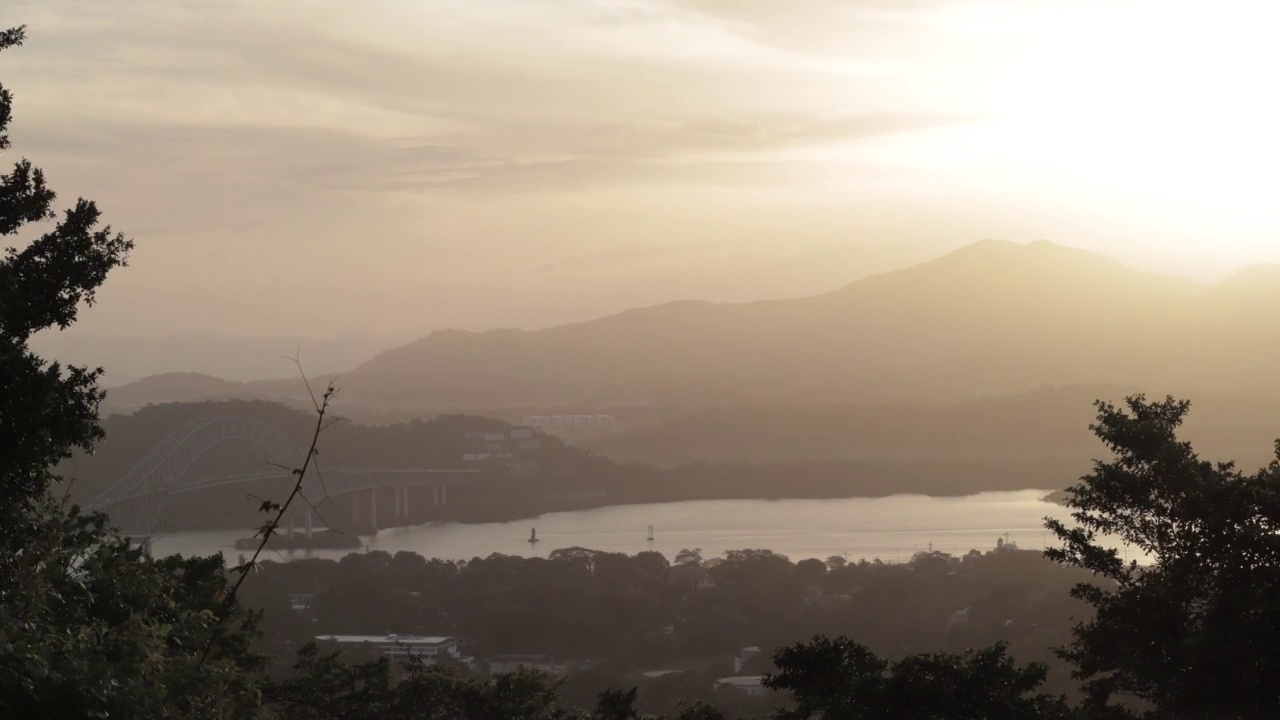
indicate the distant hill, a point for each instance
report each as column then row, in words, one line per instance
column 1049, row 423
column 126, row 359
column 568, row 477
column 993, row 318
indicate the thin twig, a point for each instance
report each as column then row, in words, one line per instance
column 268, row 529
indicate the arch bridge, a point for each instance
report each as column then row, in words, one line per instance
column 231, row 450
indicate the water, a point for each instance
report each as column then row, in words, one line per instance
column 891, row 529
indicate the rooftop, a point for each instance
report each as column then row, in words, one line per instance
column 389, row 639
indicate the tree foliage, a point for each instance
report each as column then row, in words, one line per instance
column 89, row 626
column 325, row 688
column 45, row 409
column 838, row 679
column 1196, row 632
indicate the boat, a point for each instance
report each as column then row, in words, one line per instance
column 650, row 533
column 533, row 535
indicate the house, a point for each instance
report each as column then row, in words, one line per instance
column 430, row 649
column 749, row 684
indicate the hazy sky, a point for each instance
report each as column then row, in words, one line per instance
column 392, row 166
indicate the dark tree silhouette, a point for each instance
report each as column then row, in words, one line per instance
column 838, row 679
column 1196, row 633
column 89, row 627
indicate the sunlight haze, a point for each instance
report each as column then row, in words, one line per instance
column 394, row 167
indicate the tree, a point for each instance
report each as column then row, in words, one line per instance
column 689, row 558
column 700, row 711
column 45, row 410
column 324, row 688
column 838, row 679
column 617, row 705
column 89, row 627
column 1196, row 633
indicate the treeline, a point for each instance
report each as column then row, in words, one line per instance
column 632, row 614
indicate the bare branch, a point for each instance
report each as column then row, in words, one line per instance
column 270, row 527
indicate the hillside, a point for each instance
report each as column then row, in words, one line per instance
column 1049, row 423
column 567, row 477
column 990, row 319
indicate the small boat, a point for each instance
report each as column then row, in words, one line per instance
column 533, row 535
column 650, row 533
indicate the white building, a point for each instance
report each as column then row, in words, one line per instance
column 572, row 424
column 429, row 648
column 743, row 656
column 749, row 684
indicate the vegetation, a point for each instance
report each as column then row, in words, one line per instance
column 1196, row 633
column 92, row 627
column 841, row 680
column 89, row 627
column 569, row 477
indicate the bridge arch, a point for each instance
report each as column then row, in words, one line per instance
column 140, row 495
column 137, row 500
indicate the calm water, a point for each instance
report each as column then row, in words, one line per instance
column 888, row 528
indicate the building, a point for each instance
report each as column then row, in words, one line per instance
column 743, row 656
column 429, row 648
column 749, row 684
column 516, row 450
column 502, row 664
column 570, row 425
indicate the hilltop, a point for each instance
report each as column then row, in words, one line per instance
column 992, row 318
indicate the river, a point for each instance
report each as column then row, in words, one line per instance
column 890, row 528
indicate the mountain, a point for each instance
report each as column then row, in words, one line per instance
column 993, row 318
column 1046, row 424
column 127, row 359
column 191, row 387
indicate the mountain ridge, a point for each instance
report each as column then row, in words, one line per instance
column 993, row 317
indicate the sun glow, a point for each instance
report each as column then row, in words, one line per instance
column 1161, row 109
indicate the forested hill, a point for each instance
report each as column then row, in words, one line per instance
column 567, row 477
column 437, row 443
column 1046, row 423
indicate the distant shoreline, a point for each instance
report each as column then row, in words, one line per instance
column 348, row 537
column 1057, row 497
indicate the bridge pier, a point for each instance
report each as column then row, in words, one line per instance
column 308, row 524
column 373, row 509
column 293, row 517
column 355, row 508
column 396, row 492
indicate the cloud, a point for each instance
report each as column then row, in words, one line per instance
column 438, row 151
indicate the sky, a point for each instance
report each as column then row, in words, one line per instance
column 390, row 167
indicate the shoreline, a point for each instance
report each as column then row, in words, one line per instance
column 353, row 533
